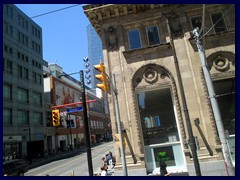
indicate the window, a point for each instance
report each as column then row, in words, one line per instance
column 152, row 34
column 7, row 116
column 196, row 22
column 25, row 73
column 217, row 19
column 22, row 117
column 9, row 66
column 39, row 79
column 18, row 55
column 134, row 39
column 37, row 118
column 37, row 98
column 19, row 71
column 22, row 95
column 34, row 77
column 157, row 116
column 7, row 91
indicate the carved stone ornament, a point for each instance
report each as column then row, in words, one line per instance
column 150, row 75
column 112, row 39
column 221, row 64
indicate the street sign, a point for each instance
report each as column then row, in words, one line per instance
column 74, row 110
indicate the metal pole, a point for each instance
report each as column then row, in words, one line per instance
column 215, row 108
column 70, row 126
column 29, row 131
column 87, row 134
column 119, row 128
column 185, row 108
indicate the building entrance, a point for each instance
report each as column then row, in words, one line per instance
column 160, row 129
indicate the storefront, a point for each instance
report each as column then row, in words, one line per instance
column 12, row 147
column 160, row 130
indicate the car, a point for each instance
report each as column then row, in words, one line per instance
column 16, row 167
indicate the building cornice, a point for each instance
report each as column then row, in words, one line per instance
column 101, row 12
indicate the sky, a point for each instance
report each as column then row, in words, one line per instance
column 64, row 34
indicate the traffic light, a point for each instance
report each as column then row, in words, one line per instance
column 102, row 77
column 117, row 141
column 55, row 117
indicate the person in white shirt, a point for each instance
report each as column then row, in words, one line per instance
column 103, row 172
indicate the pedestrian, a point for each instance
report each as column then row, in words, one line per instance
column 110, row 159
column 104, row 164
column 103, row 171
column 114, row 161
column 163, row 169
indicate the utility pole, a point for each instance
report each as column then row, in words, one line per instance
column 87, row 133
column 124, row 166
column 214, row 103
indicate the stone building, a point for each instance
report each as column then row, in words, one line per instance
column 154, row 78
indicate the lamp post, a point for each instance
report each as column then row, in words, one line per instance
column 87, row 133
column 29, row 152
column 85, row 116
column 29, row 133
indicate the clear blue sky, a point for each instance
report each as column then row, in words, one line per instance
column 64, row 34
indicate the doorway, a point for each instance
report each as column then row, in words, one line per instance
column 159, row 127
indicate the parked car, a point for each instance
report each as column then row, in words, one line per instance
column 16, row 167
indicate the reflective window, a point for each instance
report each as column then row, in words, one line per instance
column 218, row 21
column 157, row 116
column 7, row 116
column 7, row 91
column 196, row 22
column 225, row 93
column 22, row 117
column 153, row 36
column 134, row 39
column 22, row 95
column 37, row 118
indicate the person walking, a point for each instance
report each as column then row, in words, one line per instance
column 110, row 159
column 104, row 164
column 163, row 169
column 103, row 171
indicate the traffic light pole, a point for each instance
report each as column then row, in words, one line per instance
column 125, row 173
column 214, row 103
column 87, row 133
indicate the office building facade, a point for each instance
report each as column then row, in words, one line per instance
column 23, row 114
column 95, row 54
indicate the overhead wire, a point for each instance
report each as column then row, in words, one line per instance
column 55, row 11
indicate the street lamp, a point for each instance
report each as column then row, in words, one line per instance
column 84, row 104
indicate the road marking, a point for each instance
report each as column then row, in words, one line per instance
column 72, row 161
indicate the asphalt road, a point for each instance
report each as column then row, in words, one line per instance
column 74, row 166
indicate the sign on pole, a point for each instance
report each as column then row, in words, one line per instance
column 74, row 110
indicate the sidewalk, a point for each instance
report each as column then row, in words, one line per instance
column 57, row 156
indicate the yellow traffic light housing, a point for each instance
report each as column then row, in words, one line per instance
column 102, row 77
column 55, row 117
column 117, row 140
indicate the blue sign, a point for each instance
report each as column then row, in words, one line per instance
column 74, row 110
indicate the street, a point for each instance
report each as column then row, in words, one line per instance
column 74, row 166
